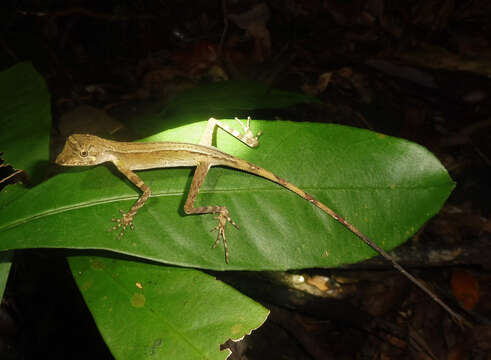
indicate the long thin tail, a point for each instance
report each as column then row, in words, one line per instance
column 256, row 170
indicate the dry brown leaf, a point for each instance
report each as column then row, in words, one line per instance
column 465, row 288
column 254, row 21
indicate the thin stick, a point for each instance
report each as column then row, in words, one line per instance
column 225, row 29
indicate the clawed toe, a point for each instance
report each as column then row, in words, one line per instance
column 223, row 218
column 248, row 136
column 122, row 224
column 234, row 224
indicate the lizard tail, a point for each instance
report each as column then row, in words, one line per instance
column 259, row 171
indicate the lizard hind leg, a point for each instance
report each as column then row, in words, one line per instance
column 223, row 217
column 223, row 214
column 247, row 137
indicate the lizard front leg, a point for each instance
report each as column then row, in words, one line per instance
column 222, row 211
column 127, row 218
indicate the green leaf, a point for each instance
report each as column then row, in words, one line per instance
column 26, row 119
column 5, row 263
column 159, row 312
column 387, row 187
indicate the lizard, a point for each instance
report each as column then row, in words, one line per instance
column 90, row 150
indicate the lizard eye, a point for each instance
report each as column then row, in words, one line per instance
column 84, row 153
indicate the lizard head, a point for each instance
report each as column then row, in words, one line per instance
column 83, row 150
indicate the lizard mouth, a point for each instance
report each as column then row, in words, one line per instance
column 66, row 157
column 60, row 159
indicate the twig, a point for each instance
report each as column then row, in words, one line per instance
column 85, row 12
column 8, row 50
column 225, row 29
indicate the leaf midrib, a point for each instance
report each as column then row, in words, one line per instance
column 312, row 189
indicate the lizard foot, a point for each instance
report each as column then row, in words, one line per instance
column 222, row 218
column 123, row 223
column 248, row 136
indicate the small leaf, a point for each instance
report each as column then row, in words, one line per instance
column 154, row 311
column 5, row 263
column 465, row 288
column 10, row 176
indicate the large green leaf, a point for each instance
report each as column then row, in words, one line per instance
column 160, row 312
column 385, row 186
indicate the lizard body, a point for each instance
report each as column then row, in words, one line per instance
column 88, row 150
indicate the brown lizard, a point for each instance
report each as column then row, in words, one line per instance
column 88, row 150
